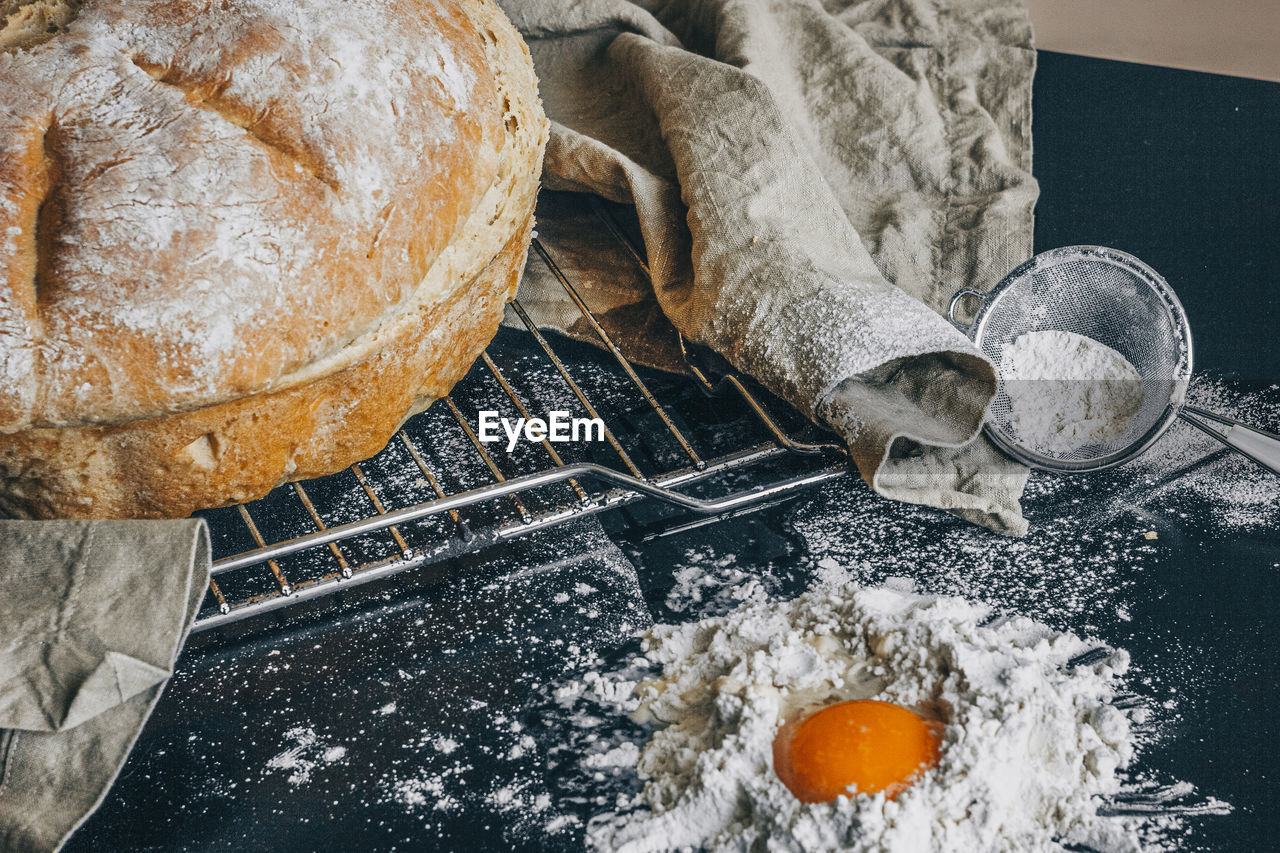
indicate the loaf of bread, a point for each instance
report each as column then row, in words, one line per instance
column 242, row 241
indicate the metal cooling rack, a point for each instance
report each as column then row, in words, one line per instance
column 437, row 491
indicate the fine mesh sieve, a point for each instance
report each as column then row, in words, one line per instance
column 1114, row 299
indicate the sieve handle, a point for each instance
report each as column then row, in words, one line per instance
column 955, row 303
column 1259, row 445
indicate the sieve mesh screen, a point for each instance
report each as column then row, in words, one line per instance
column 1114, row 299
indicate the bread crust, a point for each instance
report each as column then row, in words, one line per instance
column 200, row 200
column 170, row 466
column 323, row 392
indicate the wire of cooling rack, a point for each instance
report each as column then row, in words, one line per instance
column 328, row 557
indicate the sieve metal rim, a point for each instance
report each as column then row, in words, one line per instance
column 1182, row 368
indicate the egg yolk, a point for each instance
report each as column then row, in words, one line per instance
column 875, row 746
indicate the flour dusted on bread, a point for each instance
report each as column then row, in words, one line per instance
column 27, row 23
column 207, row 204
column 207, row 198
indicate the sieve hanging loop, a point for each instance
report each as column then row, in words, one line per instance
column 955, row 303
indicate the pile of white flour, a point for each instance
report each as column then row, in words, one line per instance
column 1031, row 749
column 1067, row 391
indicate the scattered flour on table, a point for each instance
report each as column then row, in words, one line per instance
column 707, row 583
column 1067, row 391
column 306, row 754
column 1194, row 476
column 1085, row 554
column 427, row 790
column 445, row 745
column 1035, row 741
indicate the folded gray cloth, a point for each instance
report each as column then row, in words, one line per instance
column 92, row 617
column 812, row 181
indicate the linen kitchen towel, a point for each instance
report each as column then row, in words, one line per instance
column 92, row 617
column 812, row 180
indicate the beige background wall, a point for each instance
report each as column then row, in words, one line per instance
column 1240, row 37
